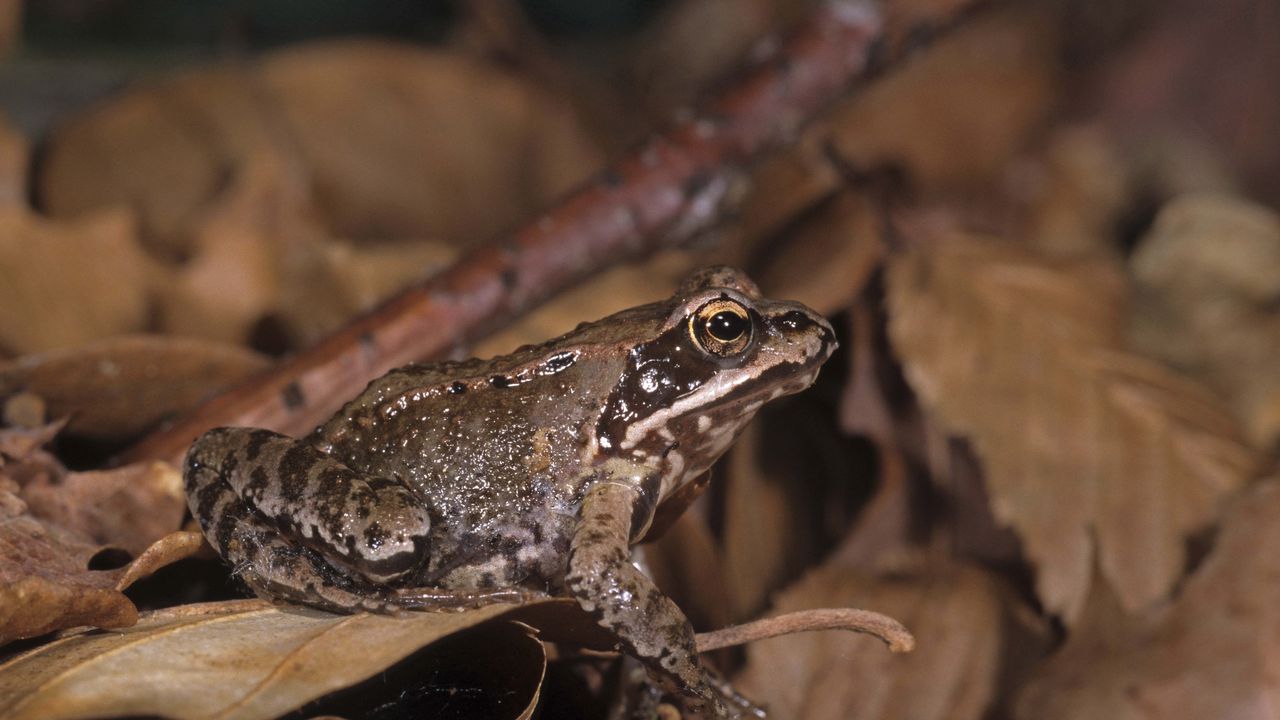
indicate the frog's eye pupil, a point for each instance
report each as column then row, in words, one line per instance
column 721, row 328
column 727, row 326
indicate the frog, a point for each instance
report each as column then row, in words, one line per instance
column 452, row 485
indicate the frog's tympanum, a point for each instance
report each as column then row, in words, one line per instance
column 451, row 485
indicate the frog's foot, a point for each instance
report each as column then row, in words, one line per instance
column 427, row 598
column 736, row 699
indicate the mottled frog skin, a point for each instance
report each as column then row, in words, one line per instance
column 451, row 485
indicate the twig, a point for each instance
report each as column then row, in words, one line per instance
column 897, row 637
column 672, row 186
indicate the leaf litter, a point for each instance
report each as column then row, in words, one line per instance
column 1093, row 454
column 265, row 202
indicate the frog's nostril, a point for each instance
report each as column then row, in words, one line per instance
column 796, row 320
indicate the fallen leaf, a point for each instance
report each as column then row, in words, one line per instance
column 788, row 484
column 128, row 508
column 45, row 580
column 20, row 443
column 232, row 278
column 830, row 258
column 252, row 660
column 608, row 292
column 1210, row 268
column 1095, row 456
column 15, row 151
column 1210, row 654
column 63, row 283
column 1168, row 80
column 956, row 614
column 325, row 282
column 389, row 141
column 1076, row 190
column 691, row 44
column 953, row 117
column 118, row 387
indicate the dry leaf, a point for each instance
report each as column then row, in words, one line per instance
column 14, row 149
column 232, row 279
column 1210, row 269
column 1076, row 189
column 955, row 614
column 230, row 660
column 1093, row 455
column 117, row 388
column 1210, row 654
column 129, row 507
column 686, row 563
column 388, row 140
column 62, row 283
column 608, row 292
column 787, row 485
column 955, row 115
column 45, row 578
column 45, row 583
column 692, row 43
column 830, row 258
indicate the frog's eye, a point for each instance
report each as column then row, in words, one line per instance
column 721, row 328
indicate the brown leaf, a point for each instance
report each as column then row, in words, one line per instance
column 62, row 283
column 251, row 660
column 830, row 258
column 53, row 523
column 690, row 44
column 15, row 152
column 388, row 141
column 1208, row 655
column 1093, row 455
column 118, row 387
column 955, row 614
column 233, row 277
column 607, row 292
column 128, row 508
column 1077, row 189
column 956, row 114
column 19, row 444
column 1210, row 269
column 45, row 583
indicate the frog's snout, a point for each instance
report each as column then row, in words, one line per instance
column 808, row 330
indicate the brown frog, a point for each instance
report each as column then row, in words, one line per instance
column 451, row 485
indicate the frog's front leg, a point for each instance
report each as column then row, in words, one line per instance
column 606, row 584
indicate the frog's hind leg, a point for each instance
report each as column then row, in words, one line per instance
column 298, row 525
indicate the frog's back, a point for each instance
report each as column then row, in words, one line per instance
column 496, row 452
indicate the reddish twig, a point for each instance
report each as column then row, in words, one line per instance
column 657, row 195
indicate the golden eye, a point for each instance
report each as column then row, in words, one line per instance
column 721, row 328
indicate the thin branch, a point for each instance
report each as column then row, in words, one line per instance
column 678, row 183
column 897, row 637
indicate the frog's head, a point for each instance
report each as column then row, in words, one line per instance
column 716, row 353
